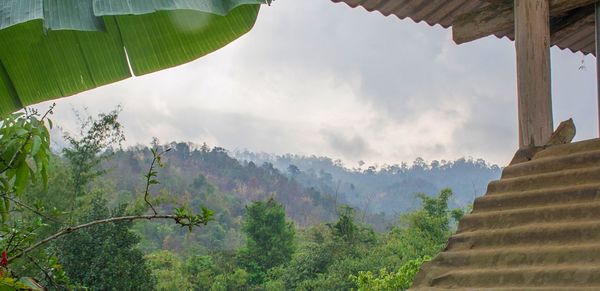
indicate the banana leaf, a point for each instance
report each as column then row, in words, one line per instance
column 56, row 48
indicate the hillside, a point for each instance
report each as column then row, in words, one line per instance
column 311, row 188
column 388, row 188
column 202, row 176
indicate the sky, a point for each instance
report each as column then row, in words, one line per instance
column 315, row 77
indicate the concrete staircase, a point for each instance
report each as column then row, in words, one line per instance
column 537, row 228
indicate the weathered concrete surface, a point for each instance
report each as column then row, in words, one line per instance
column 537, row 228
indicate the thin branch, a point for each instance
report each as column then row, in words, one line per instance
column 151, row 174
column 13, row 234
column 9, row 165
column 16, row 201
column 71, row 229
column 337, row 188
column 17, row 244
column 148, row 179
column 48, row 276
column 49, row 111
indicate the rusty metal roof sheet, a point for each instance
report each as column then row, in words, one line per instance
column 537, row 228
column 443, row 12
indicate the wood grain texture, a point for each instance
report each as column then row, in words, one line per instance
column 499, row 17
column 532, row 43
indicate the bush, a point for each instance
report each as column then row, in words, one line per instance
column 384, row 281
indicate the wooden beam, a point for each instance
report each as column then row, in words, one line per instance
column 563, row 27
column 532, row 43
column 500, row 16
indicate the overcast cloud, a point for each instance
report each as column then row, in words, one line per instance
column 314, row 77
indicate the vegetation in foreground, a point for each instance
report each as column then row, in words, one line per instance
column 69, row 220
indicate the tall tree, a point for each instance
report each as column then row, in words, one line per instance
column 270, row 239
column 87, row 150
column 104, row 256
column 425, row 232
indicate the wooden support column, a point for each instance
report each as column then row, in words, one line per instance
column 532, row 42
column 597, row 22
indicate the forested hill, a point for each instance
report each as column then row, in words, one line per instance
column 210, row 177
column 311, row 188
column 388, row 189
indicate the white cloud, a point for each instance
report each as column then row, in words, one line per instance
column 315, row 77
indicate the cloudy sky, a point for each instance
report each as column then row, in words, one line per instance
column 314, row 77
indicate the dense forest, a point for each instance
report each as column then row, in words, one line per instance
column 179, row 216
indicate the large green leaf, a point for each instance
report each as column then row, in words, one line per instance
column 55, row 48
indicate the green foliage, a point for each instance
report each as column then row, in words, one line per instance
column 275, row 285
column 187, row 219
column 345, row 229
column 329, row 254
column 238, row 280
column 104, row 256
column 24, row 160
column 269, row 241
column 86, row 151
column 424, row 232
column 24, row 155
column 200, row 270
column 386, row 281
column 10, row 284
column 167, row 268
column 343, row 254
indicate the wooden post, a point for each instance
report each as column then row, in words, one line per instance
column 597, row 60
column 532, row 42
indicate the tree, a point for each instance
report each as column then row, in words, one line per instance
column 270, row 239
column 87, row 151
column 346, row 255
column 386, row 281
column 293, row 170
column 104, row 256
column 345, row 229
column 422, row 234
column 168, row 269
column 329, row 254
column 237, row 280
column 425, row 232
column 24, row 160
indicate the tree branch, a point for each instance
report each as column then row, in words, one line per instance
column 152, row 174
column 46, row 274
column 148, row 180
column 71, row 229
column 16, row 201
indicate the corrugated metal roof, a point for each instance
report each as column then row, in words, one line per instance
column 537, row 228
column 443, row 12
